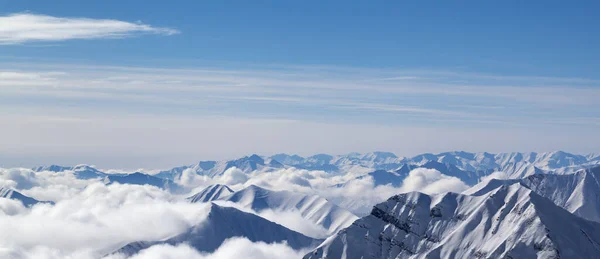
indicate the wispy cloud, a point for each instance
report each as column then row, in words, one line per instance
column 303, row 88
column 27, row 27
column 324, row 107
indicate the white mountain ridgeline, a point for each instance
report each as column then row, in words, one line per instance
column 579, row 193
column 227, row 222
column 137, row 178
column 468, row 167
column 8, row 193
column 80, row 171
column 509, row 221
column 313, row 208
column 247, row 164
column 548, row 208
column 510, row 163
column 211, row 193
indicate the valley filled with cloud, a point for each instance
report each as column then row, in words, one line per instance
column 86, row 212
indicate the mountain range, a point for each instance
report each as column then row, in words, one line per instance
column 545, row 205
column 227, row 222
column 507, row 219
column 469, row 167
column 8, row 193
column 313, row 208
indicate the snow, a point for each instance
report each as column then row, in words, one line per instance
column 310, row 207
column 547, row 205
column 579, row 193
column 509, row 221
column 8, row 193
column 211, row 193
column 227, row 222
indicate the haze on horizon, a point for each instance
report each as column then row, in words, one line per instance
column 156, row 85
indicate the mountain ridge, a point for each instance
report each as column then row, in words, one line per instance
column 227, row 222
column 506, row 222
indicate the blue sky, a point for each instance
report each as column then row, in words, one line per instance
column 152, row 83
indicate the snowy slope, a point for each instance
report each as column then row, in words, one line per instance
column 469, row 167
column 87, row 172
column 506, row 222
column 579, row 193
column 12, row 194
column 288, row 159
column 226, row 222
column 311, row 207
column 211, row 193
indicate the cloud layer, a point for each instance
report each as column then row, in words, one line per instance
column 98, row 220
column 90, row 219
column 26, row 27
column 230, row 249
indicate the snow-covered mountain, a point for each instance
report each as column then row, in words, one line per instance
column 468, row 167
column 8, row 193
column 548, row 207
column 395, row 178
column 247, row 164
column 88, row 172
column 579, row 193
column 52, row 168
column 515, row 164
column 510, row 221
column 227, row 222
column 311, row 207
column 211, row 193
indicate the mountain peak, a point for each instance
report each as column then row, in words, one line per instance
column 255, row 157
column 9, row 193
column 312, row 207
column 51, row 168
column 211, row 193
column 226, row 222
column 509, row 221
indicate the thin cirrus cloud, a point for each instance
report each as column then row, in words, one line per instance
column 301, row 89
column 258, row 108
column 21, row 28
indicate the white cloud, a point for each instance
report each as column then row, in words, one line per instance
column 26, row 27
column 291, row 219
column 431, row 181
column 494, row 175
column 233, row 176
column 45, row 185
column 96, row 221
column 11, row 207
column 230, row 249
column 356, row 195
column 91, row 219
column 19, row 178
column 190, row 179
